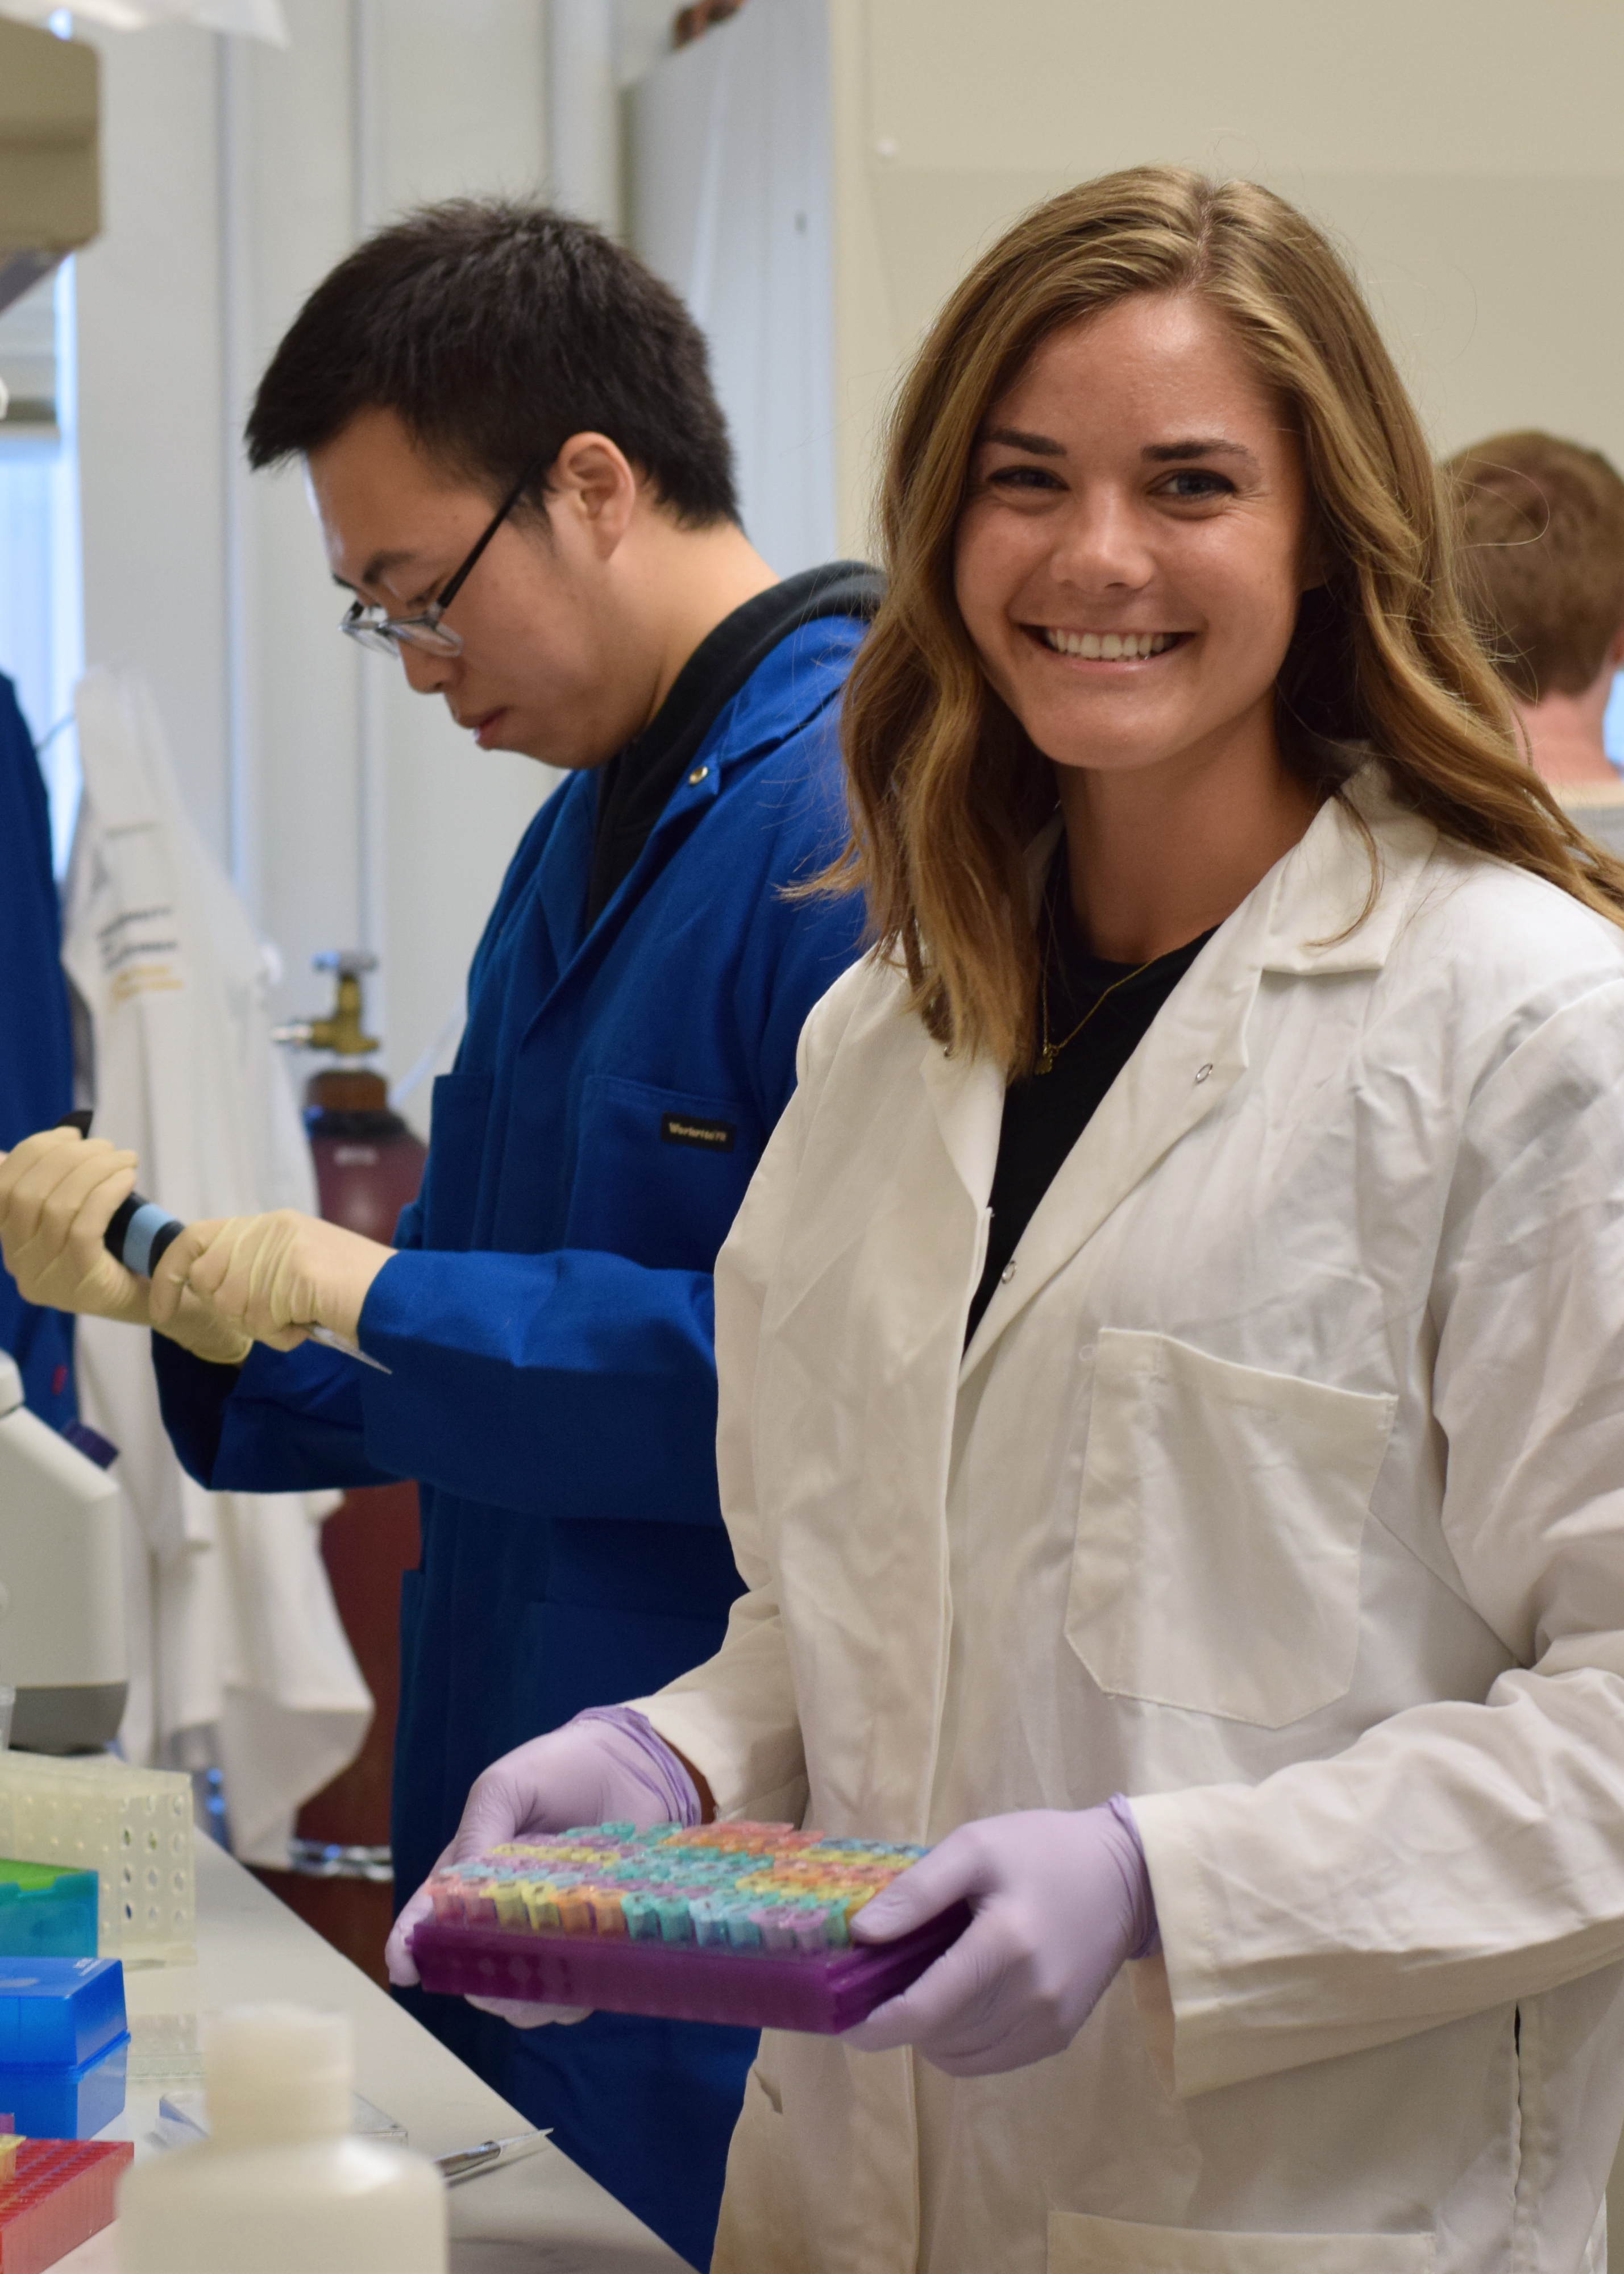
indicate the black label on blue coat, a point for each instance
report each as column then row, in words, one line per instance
column 709, row 1136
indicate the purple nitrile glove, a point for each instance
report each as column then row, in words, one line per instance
column 1060, row 1896
column 607, row 1766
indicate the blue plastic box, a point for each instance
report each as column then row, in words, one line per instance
column 59, row 2012
column 67, row 2104
column 63, row 2045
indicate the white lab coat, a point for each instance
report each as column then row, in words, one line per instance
column 1281, row 1488
column 232, row 1624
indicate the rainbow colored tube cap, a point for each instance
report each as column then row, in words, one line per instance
column 737, row 1923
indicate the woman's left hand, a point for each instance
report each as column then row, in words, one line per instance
column 1061, row 1897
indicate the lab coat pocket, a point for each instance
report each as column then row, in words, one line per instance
column 1081, row 2245
column 1216, row 1565
column 660, row 1174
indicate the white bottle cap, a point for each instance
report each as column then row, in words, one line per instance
column 276, row 2075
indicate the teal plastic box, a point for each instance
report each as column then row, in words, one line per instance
column 47, row 1912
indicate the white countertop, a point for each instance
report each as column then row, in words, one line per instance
column 539, row 2213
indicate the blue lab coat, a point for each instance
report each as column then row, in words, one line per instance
column 36, row 1043
column 548, row 1328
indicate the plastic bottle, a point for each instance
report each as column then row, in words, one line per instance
column 281, row 2184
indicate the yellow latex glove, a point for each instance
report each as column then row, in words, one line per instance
column 271, row 1277
column 58, row 1194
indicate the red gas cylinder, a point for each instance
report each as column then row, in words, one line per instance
column 368, row 1168
column 368, row 1164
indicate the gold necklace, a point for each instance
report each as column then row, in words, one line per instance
column 1050, row 1051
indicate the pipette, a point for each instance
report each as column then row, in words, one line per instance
column 142, row 1230
column 464, row 2162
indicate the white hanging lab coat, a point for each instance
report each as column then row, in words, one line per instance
column 1282, row 1488
column 232, row 1622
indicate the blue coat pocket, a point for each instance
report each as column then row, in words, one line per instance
column 660, row 1174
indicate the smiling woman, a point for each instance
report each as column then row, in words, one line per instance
column 1130, row 563
column 1169, row 1353
column 1166, row 547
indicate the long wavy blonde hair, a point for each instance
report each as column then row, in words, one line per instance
column 946, row 789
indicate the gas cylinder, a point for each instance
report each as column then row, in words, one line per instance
column 368, row 1168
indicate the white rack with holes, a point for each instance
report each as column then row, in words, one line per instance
column 131, row 1826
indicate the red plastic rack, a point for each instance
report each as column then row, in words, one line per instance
column 56, row 2194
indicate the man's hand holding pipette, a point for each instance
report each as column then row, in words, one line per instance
column 280, row 1278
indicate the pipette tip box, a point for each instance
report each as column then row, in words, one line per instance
column 68, row 2104
column 63, row 2045
column 739, row 1923
column 54, row 2194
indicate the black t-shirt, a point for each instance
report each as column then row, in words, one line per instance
column 635, row 787
column 1044, row 1114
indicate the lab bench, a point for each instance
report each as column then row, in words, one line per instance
column 541, row 2215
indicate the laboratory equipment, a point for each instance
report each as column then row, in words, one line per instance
column 68, row 2104
column 344, row 1030
column 468, row 2163
column 131, row 1825
column 280, row 2181
column 64, row 2043
column 62, row 1584
column 741, row 1922
column 55, row 2012
column 138, row 1234
column 183, row 2117
column 54, row 2194
column 49, row 175
column 47, row 1911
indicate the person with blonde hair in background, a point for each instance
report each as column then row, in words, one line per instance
column 1169, row 1351
column 1543, row 572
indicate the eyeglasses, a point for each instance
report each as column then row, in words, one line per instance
column 388, row 634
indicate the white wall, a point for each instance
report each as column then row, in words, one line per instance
column 151, row 464
column 730, row 202
column 1467, row 151
column 352, row 812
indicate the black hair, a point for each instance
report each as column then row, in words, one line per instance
column 495, row 331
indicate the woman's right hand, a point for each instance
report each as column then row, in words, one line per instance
column 58, row 1194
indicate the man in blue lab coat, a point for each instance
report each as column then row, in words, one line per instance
column 522, row 476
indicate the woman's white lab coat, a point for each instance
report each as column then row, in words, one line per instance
column 1282, row 1488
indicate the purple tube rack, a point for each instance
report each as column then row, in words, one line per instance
column 680, row 1981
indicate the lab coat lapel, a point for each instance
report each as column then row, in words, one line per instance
column 1188, row 1062
column 1305, row 918
column 966, row 1097
column 778, row 702
column 561, row 877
